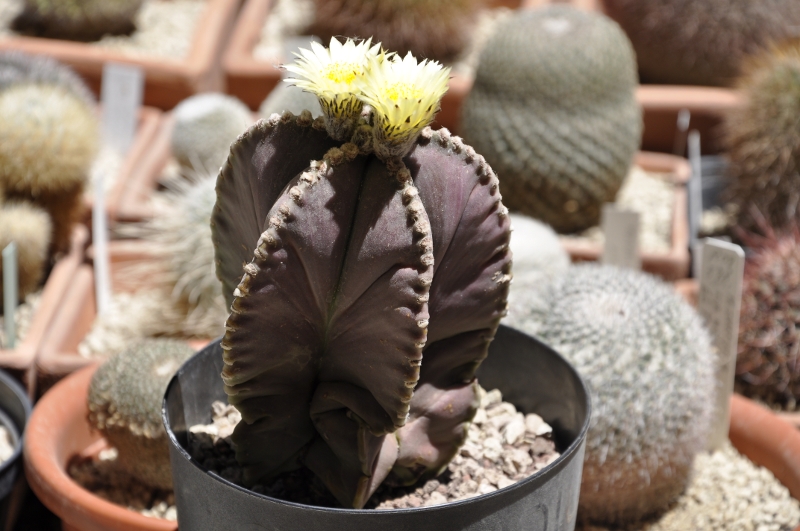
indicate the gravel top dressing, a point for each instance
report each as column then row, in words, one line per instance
column 164, row 28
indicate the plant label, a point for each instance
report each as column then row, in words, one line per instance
column 695, row 191
column 621, row 230
column 719, row 300
column 121, row 96
column 10, row 293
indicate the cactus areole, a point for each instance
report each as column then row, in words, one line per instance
column 366, row 261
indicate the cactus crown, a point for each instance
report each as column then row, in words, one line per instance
column 82, row 20
column 648, row 363
column 561, row 138
column 763, row 140
column 386, row 245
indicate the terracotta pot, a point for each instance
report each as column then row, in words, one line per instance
column 58, row 431
column 167, row 81
column 58, row 354
column 670, row 265
column 19, row 361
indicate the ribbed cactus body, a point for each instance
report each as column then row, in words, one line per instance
column 82, row 20
column 205, row 126
column 701, row 42
column 429, row 29
column 553, row 110
column 30, row 228
column 648, row 362
column 125, row 406
column 359, row 267
column 763, row 140
column 48, row 141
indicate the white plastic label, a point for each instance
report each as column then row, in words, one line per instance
column 621, row 231
column 121, row 96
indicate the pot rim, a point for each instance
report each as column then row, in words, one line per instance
column 549, row 470
column 22, row 396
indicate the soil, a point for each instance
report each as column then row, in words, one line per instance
column 503, row 446
column 23, row 317
column 100, row 475
column 727, row 492
column 652, row 196
column 164, row 28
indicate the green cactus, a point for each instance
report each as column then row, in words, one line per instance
column 18, row 67
column 649, row 365
column 205, row 126
column 30, row 228
column 705, row 42
column 48, row 142
column 432, row 29
column 763, row 140
column 81, row 20
column 553, row 110
column 288, row 98
column 125, row 406
column 355, row 265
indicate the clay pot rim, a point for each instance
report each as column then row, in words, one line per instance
column 49, row 480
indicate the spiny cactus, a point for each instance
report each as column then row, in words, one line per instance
column 81, row 20
column 18, row 67
column 30, row 228
column 391, row 243
column 48, row 141
column 701, row 42
column 288, row 98
column 553, row 110
column 125, row 406
column 763, row 139
column 768, row 361
column 648, row 363
column 430, row 29
column 205, row 126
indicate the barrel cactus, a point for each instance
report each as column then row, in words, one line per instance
column 125, row 406
column 649, row 366
column 48, row 141
column 432, row 29
column 763, row 139
column 391, row 243
column 701, row 43
column 553, row 110
column 81, row 20
column 18, row 67
column 205, row 126
column 29, row 227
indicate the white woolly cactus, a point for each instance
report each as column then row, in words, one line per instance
column 205, row 127
column 30, row 228
column 648, row 362
column 18, row 67
column 289, row 98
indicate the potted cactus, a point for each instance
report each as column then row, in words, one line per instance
column 375, row 279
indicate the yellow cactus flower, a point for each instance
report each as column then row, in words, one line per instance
column 332, row 74
column 404, row 96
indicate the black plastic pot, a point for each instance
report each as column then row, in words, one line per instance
column 531, row 375
column 15, row 408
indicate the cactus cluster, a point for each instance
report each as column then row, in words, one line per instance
column 125, row 406
column 431, row 29
column 81, row 20
column 649, row 365
column 768, row 361
column 205, row 126
column 701, row 42
column 763, row 139
column 553, row 110
column 375, row 277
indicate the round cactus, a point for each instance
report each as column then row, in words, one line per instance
column 20, row 68
column 125, row 406
column 553, row 110
column 205, row 126
column 30, row 228
column 763, row 139
column 289, row 98
column 649, row 366
column 431, row 29
column 701, row 42
column 48, row 142
column 81, row 20
column 768, row 364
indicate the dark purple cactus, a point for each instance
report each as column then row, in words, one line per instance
column 371, row 291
